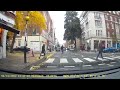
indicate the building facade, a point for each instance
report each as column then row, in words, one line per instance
column 7, row 18
column 35, row 39
column 99, row 26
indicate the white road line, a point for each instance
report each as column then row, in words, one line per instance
column 50, row 60
column 63, row 60
column 102, row 59
column 109, row 58
column 89, row 59
column 69, row 66
column 110, row 65
column 77, row 60
column 101, row 64
column 51, row 66
column 86, row 65
column 112, row 62
column 117, row 57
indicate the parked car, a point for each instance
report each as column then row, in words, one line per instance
column 111, row 49
column 21, row 49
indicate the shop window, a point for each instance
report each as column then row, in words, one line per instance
column 1, row 34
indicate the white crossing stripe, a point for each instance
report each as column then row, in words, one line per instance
column 77, row 60
column 50, row 60
column 86, row 65
column 109, row 58
column 101, row 59
column 117, row 57
column 63, row 60
column 89, row 59
column 69, row 66
column 102, row 64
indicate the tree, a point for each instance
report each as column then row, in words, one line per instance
column 36, row 19
column 72, row 27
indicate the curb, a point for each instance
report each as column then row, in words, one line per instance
column 37, row 64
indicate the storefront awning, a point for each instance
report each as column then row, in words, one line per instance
column 4, row 26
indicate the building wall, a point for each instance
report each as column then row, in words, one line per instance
column 90, row 32
column 9, row 20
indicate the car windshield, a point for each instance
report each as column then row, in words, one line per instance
column 59, row 42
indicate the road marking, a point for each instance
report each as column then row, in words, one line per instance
column 89, row 59
column 77, row 60
column 117, row 57
column 69, row 66
column 51, row 66
column 112, row 62
column 102, row 59
column 110, row 65
column 50, row 60
column 82, row 56
column 86, row 65
column 102, row 64
column 63, row 60
column 109, row 58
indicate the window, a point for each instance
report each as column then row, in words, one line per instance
column 110, row 18
column 114, row 12
column 107, row 25
column 112, row 25
column 1, row 34
column 106, row 17
column 98, row 23
column 96, row 32
column 115, row 19
column 119, row 21
column 101, row 33
column 108, row 34
column 97, row 15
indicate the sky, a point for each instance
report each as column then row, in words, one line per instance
column 58, row 24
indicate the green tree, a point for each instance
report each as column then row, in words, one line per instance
column 72, row 27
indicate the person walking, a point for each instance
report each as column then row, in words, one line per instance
column 62, row 49
column 100, row 50
column 43, row 49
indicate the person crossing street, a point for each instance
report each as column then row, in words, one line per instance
column 100, row 49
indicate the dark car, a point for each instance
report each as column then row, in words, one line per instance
column 21, row 49
column 111, row 49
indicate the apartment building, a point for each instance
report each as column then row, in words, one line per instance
column 99, row 26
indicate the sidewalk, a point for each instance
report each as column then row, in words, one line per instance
column 15, row 61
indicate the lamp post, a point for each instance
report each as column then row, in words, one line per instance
column 25, row 58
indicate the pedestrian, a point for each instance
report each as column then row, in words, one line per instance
column 100, row 50
column 43, row 49
column 62, row 49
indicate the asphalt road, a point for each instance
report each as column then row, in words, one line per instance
column 83, row 60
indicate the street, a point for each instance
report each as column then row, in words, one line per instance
column 70, row 60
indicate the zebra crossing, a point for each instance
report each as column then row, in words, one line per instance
column 78, row 60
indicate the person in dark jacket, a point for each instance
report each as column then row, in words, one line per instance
column 62, row 49
column 100, row 49
column 43, row 49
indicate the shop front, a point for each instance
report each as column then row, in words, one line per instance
column 3, row 33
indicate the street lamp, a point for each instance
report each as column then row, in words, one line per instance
column 25, row 59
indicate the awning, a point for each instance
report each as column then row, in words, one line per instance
column 4, row 26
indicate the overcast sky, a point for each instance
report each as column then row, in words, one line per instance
column 58, row 22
